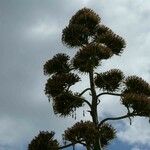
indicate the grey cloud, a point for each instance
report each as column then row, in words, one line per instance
column 25, row 46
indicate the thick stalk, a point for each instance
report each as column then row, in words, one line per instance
column 94, row 99
column 94, row 114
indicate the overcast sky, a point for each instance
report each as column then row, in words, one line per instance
column 30, row 34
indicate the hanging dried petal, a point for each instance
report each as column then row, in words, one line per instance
column 110, row 80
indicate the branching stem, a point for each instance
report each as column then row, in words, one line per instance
column 72, row 144
column 118, row 118
column 84, row 91
column 107, row 93
column 65, row 146
column 87, row 102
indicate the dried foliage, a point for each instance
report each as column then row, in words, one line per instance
column 60, row 82
column 85, row 25
column 88, row 57
column 107, row 133
column 80, row 28
column 111, row 40
column 66, row 103
column 136, row 95
column 82, row 131
column 138, row 102
column 44, row 141
column 110, row 80
column 75, row 35
column 88, row 133
column 87, row 18
column 101, row 30
column 58, row 64
column 137, row 85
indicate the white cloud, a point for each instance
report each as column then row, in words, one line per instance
column 137, row 133
column 85, row 2
column 139, row 148
column 135, row 148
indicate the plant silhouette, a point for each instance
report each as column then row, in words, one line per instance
column 94, row 43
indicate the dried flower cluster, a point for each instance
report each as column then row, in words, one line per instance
column 136, row 95
column 44, row 141
column 89, row 56
column 110, row 80
column 66, row 103
column 59, row 83
column 58, row 64
column 87, row 133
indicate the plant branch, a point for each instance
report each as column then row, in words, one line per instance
column 118, row 118
column 65, row 146
column 107, row 93
column 71, row 144
column 88, row 103
column 84, row 100
column 84, row 91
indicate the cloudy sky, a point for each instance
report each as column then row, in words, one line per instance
column 30, row 34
